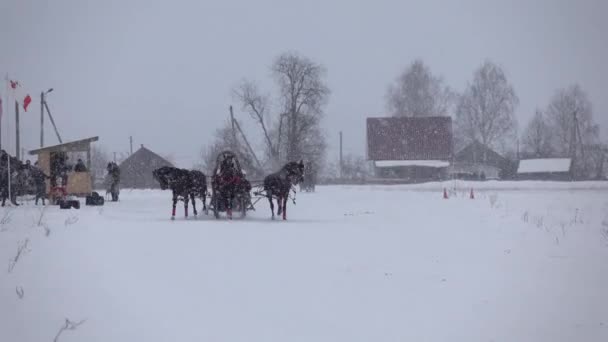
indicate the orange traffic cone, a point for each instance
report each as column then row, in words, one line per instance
column 445, row 193
column 472, row 196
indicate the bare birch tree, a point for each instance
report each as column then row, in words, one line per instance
column 293, row 132
column 485, row 111
column 417, row 92
column 536, row 138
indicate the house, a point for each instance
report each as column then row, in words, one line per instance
column 411, row 148
column 136, row 171
column 545, row 169
column 478, row 161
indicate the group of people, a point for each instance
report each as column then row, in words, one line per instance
column 28, row 178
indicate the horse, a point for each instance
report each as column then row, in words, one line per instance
column 279, row 184
column 184, row 184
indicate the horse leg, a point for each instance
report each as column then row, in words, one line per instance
column 269, row 195
column 285, row 207
column 186, row 205
column 193, row 205
column 279, row 204
column 229, row 206
column 205, row 200
column 174, row 205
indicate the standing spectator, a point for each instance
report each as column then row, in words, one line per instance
column 114, row 174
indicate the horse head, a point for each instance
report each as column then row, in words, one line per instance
column 163, row 176
column 295, row 171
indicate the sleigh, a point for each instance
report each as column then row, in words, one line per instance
column 230, row 190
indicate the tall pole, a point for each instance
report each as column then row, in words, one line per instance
column 41, row 119
column 53, row 122
column 341, row 160
column 233, row 130
column 131, row 143
column 17, row 142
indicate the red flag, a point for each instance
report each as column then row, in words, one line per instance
column 26, row 102
column 14, row 84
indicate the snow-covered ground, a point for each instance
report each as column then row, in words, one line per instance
column 521, row 262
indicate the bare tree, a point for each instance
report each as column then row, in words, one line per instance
column 303, row 94
column 564, row 105
column 537, row 136
column 417, row 92
column 485, row 111
column 257, row 105
column 570, row 116
column 293, row 132
column 99, row 161
column 225, row 140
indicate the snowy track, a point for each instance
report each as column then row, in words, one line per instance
column 353, row 263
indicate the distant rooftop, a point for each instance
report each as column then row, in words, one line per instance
column 544, row 165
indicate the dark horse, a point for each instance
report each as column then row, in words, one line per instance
column 279, row 184
column 184, row 184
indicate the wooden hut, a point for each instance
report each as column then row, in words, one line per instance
column 79, row 183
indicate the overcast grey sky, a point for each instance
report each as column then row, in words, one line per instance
column 162, row 71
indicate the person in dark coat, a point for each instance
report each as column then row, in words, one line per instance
column 114, row 174
column 39, row 178
column 80, row 167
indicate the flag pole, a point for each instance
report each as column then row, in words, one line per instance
column 8, row 156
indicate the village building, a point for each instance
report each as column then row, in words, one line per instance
column 136, row 171
column 413, row 149
column 545, row 169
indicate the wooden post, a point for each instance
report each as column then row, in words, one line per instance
column 341, row 160
column 234, row 145
column 53, row 122
column 257, row 161
column 17, row 146
column 41, row 119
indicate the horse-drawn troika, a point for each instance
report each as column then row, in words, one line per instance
column 230, row 190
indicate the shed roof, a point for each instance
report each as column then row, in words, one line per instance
column 406, row 138
column 81, row 145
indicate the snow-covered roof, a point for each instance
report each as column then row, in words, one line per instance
column 544, row 165
column 397, row 163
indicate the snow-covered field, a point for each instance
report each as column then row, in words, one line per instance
column 521, row 262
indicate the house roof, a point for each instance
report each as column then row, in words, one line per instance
column 405, row 138
column 478, row 153
column 81, row 145
column 424, row 163
column 545, row 165
column 143, row 158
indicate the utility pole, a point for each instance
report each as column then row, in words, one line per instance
column 341, row 160
column 233, row 130
column 53, row 122
column 131, row 143
column 17, row 144
column 41, row 119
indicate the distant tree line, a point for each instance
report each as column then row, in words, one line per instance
column 485, row 112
